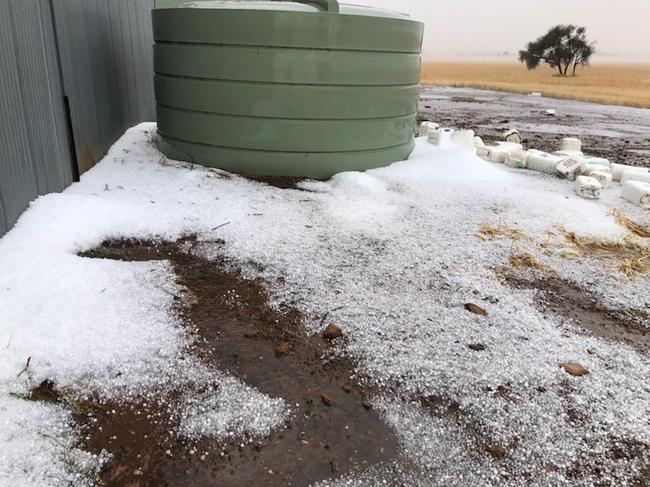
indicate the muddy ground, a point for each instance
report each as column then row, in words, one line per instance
column 621, row 134
column 333, row 430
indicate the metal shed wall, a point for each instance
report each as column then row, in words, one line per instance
column 34, row 149
column 97, row 54
column 107, row 64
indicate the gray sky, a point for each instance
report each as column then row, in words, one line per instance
column 621, row 27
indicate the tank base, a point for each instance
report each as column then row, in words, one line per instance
column 313, row 165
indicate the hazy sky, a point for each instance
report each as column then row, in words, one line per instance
column 620, row 27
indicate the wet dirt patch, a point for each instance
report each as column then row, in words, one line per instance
column 574, row 305
column 282, row 182
column 332, row 431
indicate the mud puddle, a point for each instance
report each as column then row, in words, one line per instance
column 576, row 306
column 333, row 430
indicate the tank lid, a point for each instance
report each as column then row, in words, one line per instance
column 344, row 9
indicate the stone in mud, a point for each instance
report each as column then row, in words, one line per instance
column 496, row 451
column 575, row 369
column 477, row 347
column 327, row 400
column 282, row 348
column 251, row 333
column 476, row 309
column 332, row 331
column 367, row 405
column 347, row 388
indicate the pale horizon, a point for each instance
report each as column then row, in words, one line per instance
column 479, row 30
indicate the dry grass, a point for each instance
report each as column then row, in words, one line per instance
column 488, row 231
column 627, row 85
column 526, row 260
column 637, row 229
column 503, row 231
column 629, row 255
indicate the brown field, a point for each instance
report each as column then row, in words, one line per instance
column 614, row 84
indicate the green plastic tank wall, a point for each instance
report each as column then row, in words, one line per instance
column 304, row 89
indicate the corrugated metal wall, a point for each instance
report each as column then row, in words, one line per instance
column 103, row 65
column 107, row 63
column 34, row 150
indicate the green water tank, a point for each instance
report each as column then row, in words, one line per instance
column 269, row 88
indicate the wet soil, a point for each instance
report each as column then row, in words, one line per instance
column 282, row 182
column 620, row 134
column 333, row 429
column 575, row 306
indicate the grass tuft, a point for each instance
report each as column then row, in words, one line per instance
column 502, row 230
column 629, row 255
column 642, row 231
column 526, row 260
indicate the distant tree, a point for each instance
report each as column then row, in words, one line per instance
column 562, row 47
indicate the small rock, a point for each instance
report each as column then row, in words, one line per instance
column 327, row 400
column 251, row 333
column 477, row 347
column 332, row 331
column 367, row 405
column 496, row 451
column 575, row 369
column 476, row 309
column 347, row 388
column 282, row 348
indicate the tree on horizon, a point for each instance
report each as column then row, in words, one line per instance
column 562, row 47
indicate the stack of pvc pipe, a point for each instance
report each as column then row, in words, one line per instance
column 569, row 153
column 518, row 159
column 570, row 168
column 619, row 169
column 597, row 161
column 636, row 176
column 543, row 162
column 427, row 127
column 637, row 192
column 512, row 135
column 464, row 139
column 603, row 176
column 441, row 137
column 498, row 153
column 588, row 187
